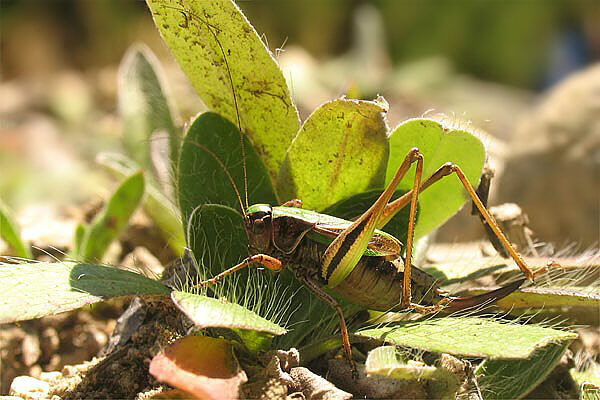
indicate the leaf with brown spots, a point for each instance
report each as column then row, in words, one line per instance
column 218, row 50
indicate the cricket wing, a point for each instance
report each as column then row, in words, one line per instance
column 380, row 244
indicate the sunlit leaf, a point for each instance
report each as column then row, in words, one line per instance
column 341, row 150
column 439, row 144
column 113, row 218
column 36, row 289
column 203, row 366
column 548, row 297
column 215, row 45
column 388, row 361
column 470, row 336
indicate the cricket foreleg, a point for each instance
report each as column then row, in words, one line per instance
column 266, row 261
column 309, row 283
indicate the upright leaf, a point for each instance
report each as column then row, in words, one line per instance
column 439, row 145
column 232, row 70
column 212, row 154
column 161, row 209
column 9, row 232
column 113, row 218
column 42, row 288
column 217, row 239
column 143, row 106
column 341, row 150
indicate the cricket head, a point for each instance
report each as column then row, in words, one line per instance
column 259, row 228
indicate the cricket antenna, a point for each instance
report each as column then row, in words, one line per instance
column 224, row 168
column 209, row 27
column 237, row 114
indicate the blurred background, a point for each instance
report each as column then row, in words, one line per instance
column 523, row 74
column 512, row 69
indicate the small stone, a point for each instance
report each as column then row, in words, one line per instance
column 30, row 348
column 29, row 388
column 50, row 376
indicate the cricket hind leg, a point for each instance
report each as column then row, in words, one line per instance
column 320, row 293
column 493, row 225
column 449, row 168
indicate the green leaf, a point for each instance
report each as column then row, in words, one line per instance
column 513, row 379
column 217, row 239
column 470, row 337
column 215, row 45
column 212, row 154
column 208, row 312
column 33, row 290
column 341, row 150
column 352, row 207
column 160, row 209
column 78, row 237
column 144, row 107
column 439, row 145
column 113, row 218
column 548, row 297
column 388, row 361
column 9, row 232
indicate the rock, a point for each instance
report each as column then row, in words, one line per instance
column 29, row 388
column 553, row 164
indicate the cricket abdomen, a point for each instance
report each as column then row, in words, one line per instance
column 374, row 283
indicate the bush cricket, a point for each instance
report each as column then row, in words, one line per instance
column 354, row 259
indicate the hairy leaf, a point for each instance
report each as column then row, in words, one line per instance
column 208, row 312
column 211, row 167
column 513, row 379
column 33, row 290
column 470, row 336
column 144, row 107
